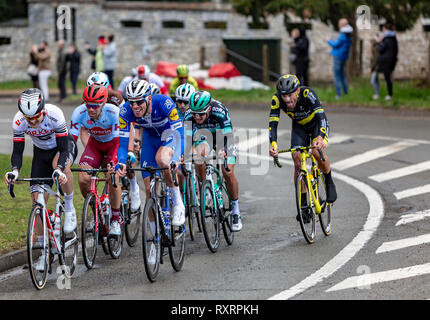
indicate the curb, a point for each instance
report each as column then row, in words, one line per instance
column 13, row 259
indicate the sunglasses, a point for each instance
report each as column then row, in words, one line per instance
column 200, row 114
column 139, row 102
column 182, row 101
column 94, row 106
column 35, row 117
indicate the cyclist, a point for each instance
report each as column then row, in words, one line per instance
column 154, row 89
column 125, row 81
column 114, row 97
column 205, row 114
column 183, row 77
column 310, row 124
column 101, row 119
column 182, row 95
column 144, row 73
column 54, row 150
column 162, row 132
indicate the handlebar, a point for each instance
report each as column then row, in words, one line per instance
column 300, row 149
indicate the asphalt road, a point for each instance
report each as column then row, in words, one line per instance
column 378, row 249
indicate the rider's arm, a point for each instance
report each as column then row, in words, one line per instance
column 173, row 85
column 275, row 112
column 75, row 124
column 18, row 127
column 193, row 82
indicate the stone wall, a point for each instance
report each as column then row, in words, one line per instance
column 152, row 42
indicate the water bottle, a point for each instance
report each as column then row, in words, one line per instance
column 104, row 199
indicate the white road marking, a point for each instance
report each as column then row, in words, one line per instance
column 413, row 217
column 256, row 139
column 412, row 192
column 403, row 243
column 401, row 172
column 384, row 276
column 372, row 155
column 374, row 218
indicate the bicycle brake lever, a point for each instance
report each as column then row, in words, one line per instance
column 172, row 170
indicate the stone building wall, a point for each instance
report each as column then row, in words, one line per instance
column 151, row 42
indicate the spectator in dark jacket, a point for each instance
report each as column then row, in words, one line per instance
column 340, row 53
column 374, row 70
column 387, row 47
column 301, row 50
column 61, row 69
column 74, row 58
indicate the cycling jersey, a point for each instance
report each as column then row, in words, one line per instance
column 162, row 127
column 105, row 129
column 175, row 84
column 219, row 121
column 308, row 114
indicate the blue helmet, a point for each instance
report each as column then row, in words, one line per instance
column 99, row 78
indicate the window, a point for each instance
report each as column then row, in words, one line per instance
column 4, row 41
column 170, row 24
column 216, row 25
column 131, row 24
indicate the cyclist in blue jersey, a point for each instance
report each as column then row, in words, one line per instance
column 162, row 136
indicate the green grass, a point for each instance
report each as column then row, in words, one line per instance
column 14, row 213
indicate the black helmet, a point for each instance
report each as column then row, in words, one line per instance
column 287, row 84
column 31, row 102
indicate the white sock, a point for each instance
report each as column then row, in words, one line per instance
column 133, row 184
column 176, row 195
column 68, row 202
column 235, row 207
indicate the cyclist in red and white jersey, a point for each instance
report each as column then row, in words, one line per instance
column 101, row 119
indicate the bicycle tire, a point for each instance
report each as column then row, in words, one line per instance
column 177, row 246
column 149, row 239
column 68, row 257
column 115, row 242
column 189, row 214
column 132, row 223
column 89, row 233
column 227, row 218
column 209, row 217
column 325, row 217
column 38, row 278
column 308, row 228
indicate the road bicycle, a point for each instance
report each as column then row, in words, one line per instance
column 215, row 206
column 45, row 234
column 96, row 220
column 158, row 232
column 313, row 184
column 191, row 194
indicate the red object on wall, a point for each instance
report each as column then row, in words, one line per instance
column 203, row 86
column 223, row 70
column 166, row 69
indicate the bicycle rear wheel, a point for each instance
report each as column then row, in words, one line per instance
column 89, row 231
column 304, row 209
column 115, row 242
column 177, row 246
column 227, row 220
column 37, row 247
column 69, row 252
column 325, row 216
column 188, row 202
column 210, row 217
column 151, row 244
column 132, row 223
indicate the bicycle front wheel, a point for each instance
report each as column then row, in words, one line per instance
column 37, row 248
column 210, row 217
column 325, row 216
column 70, row 245
column 89, row 231
column 188, row 202
column 177, row 246
column 151, row 244
column 305, row 210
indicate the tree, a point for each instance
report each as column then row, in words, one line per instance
column 403, row 14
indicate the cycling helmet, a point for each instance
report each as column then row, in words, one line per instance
column 138, row 90
column 95, row 93
column 199, row 101
column 98, row 77
column 184, row 92
column 154, row 89
column 182, row 70
column 31, row 102
column 143, row 71
column 287, row 84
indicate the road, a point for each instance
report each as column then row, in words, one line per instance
column 378, row 249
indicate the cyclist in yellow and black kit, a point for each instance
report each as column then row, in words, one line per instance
column 310, row 125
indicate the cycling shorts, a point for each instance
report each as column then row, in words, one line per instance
column 96, row 150
column 302, row 136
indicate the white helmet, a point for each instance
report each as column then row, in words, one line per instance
column 154, row 89
column 138, row 89
column 184, row 92
column 99, row 78
column 31, row 102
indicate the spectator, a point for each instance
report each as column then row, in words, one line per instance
column 43, row 56
column 144, row 73
column 33, row 70
column 301, row 51
column 109, row 58
column 74, row 58
column 387, row 47
column 97, row 60
column 61, row 69
column 340, row 53
column 374, row 79
column 126, row 80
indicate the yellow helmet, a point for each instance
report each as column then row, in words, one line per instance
column 182, row 70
